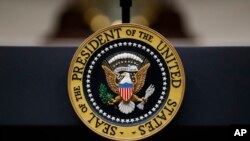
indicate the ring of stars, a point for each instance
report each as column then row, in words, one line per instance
column 113, row 118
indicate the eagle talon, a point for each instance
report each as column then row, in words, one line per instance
column 111, row 102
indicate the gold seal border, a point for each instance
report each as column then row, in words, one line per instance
column 127, row 137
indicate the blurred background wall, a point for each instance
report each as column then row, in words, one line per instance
column 69, row 22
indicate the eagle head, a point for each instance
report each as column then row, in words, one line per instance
column 126, row 78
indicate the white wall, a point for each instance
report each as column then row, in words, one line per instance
column 27, row 22
column 218, row 22
column 213, row 22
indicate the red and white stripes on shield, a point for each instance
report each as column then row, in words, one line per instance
column 126, row 91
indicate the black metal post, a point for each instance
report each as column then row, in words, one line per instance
column 125, row 5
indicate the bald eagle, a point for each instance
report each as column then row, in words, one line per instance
column 126, row 100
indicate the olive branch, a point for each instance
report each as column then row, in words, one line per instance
column 104, row 94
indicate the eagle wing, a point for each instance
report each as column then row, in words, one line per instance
column 140, row 77
column 111, row 79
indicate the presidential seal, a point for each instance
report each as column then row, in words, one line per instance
column 126, row 82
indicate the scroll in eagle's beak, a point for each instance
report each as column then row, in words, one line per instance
column 124, row 74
